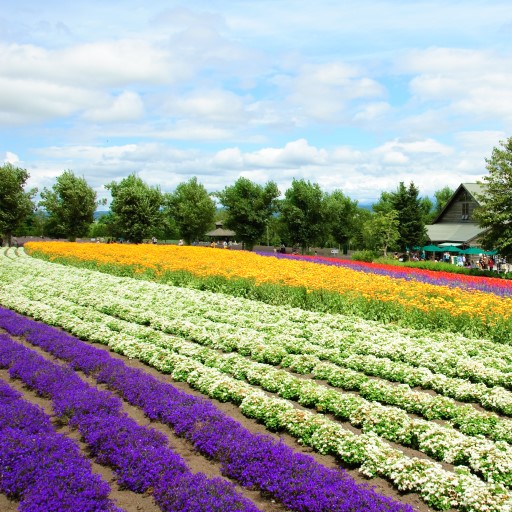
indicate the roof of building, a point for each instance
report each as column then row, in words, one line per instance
column 475, row 189
column 220, row 232
column 450, row 232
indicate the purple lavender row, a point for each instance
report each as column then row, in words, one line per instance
column 42, row 469
column 503, row 289
column 139, row 456
column 255, row 461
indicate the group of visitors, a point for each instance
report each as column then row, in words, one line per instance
column 486, row 263
column 223, row 245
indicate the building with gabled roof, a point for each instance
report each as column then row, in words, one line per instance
column 220, row 233
column 455, row 223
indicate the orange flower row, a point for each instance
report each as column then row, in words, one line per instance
column 206, row 262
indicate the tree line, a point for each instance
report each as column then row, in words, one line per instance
column 305, row 216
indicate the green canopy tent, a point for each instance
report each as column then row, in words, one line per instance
column 473, row 250
column 452, row 248
column 432, row 248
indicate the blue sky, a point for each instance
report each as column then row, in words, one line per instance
column 352, row 95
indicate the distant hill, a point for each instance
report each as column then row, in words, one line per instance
column 100, row 213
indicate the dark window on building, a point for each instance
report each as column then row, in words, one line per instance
column 465, row 211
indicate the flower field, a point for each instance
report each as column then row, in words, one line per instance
column 426, row 300
column 428, row 411
column 494, row 285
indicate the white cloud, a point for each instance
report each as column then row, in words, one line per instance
column 475, row 147
column 480, row 141
column 346, row 154
column 230, row 158
column 361, row 175
column 218, row 90
column 11, row 158
column 415, row 146
column 294, row 154
column 372, row 111
column 324, row 91
column 191, row 131
column 207, row 105
column 395, row 158
column 108, row 63
column 127, row 106
column 27, row 101
column 471, row 83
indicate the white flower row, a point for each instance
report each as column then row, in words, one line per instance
column 438, row 487
column 221, row 386
column 492, row 460
column 445, row 353
column 421, row 347
column 136, row 302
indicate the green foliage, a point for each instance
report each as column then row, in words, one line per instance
column 167, row 229
column 357, row 238
column 303, row 214
column 412, row 214
column 495, row 211
column 365, row 255
column 272, row 234
column 136, row 208
column 192, row 210
column 382, row 231
column 442, row 197
column 342, row 215
column 102, row 227
column 70, row 206
column 33, row 224
column 15, row 204
column 249, row 208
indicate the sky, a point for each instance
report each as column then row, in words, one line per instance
column 356, row 96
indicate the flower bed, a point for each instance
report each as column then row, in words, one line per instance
column 306, row 284
column 42, row 469
column 139, row 456
column 495, row 285
column 85, row 301
column 255, row 461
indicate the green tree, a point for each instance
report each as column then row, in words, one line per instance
column 385, row 203
column 495, row 210
column 136, row 208
column 15, row 204
column 249, row 208
column 411, row 216
column 341, row 213
column 192, row 209
column 70, row 206
column 357, row 239
column 442, row 196
column 431, row 208
column 381, row 231
column 303, row 213
column 101, row 227
column 412, row 213
column 37, row 223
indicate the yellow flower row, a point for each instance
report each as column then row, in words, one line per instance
column 206, row 262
